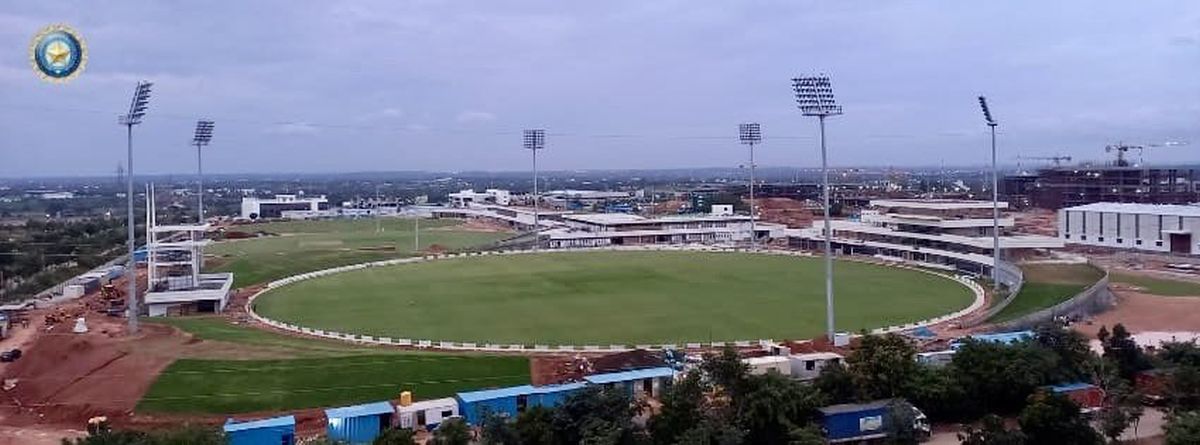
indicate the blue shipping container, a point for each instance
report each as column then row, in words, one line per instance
column 508, row 401
column 358, row 424
column 851, row 422
column 278, row 430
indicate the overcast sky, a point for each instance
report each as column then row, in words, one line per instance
column 299, row 86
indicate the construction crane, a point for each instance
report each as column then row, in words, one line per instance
column 1122, row 148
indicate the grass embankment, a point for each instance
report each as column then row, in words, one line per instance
column 1159, row 286
column 1047, row 285
column 325, row 373
column 611, row 297
column 305, row 246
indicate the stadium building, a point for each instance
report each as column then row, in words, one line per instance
column 1059, row 187
column 174, row 258
column 948, row 234
column 268, row 208
column 619, row 229
column 1149, row 227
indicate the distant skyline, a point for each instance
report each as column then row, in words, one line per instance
column 322, row 87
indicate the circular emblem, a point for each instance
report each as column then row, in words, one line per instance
column 58, row 53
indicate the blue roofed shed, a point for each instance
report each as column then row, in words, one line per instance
column 359, row 423
column 639, row 382
column 277, row 430
column 512, row 400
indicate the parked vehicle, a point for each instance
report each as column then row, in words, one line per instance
column 10, row 355
column 871, row 421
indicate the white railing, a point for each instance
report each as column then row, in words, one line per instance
column 549, row 348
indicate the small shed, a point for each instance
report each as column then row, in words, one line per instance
column 639, row 382
column 511, row 401
column 426, row 413
column 358, row 424
column 765, row 364
column 809, row 366
column 936, row 358
column 276, row 430
column 1004, row 338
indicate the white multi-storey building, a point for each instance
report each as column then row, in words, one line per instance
column 944, row 233
column 267, row 208
column 465, row 198
column 1149, row 227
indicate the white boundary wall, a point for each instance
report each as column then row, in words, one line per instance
column 551, row 348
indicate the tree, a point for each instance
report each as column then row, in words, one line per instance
column 395, row 436
column 1122, row 406
column 1185, row 388
column 535, row 426
column 901, row 429
column 773, row 406
column 495, row 429
column 882, row 366
column 1183, row 428
column 939, row 394
column 1053, row 418
column 453, row 431
column 596, row 415
column 1075, row 357
column 999, row 378
column 725, row 370
column 681, row 410
column 186, row 435
column 836, row 383
column 1125, row 352
column 1180, row 353
column 991, row 432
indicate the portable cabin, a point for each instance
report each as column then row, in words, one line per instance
column 809, row 366
column 358, row 424
column 426, row 413
column 936, row 359
column 511, row 401
column 639, row 382
column 4, row 325
column 769, row 363
column 277, row 430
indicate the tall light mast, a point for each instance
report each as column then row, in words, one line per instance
column 991, row 123
column 814, row 97
column 203, row 135
column 535, row 140
column 750, row 133
column 137, row 110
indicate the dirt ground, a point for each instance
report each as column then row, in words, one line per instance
column 1141, row 312
column 786, row 211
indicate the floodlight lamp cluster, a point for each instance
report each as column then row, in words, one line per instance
column 535, row 139
column 987, row 114
column 139, row 104
column 204, row 131
column 814, row 96
column 750, row 133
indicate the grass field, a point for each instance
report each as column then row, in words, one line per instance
column 305, row 246
column 235, row 386
column 1047, row 285
column 611, row 297
column 1159, row 286
column 325, row 373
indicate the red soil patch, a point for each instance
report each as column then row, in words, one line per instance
column 1141, row 312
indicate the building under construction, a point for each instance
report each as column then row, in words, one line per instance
column 1058, row 187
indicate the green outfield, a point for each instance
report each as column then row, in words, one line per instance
column 305, row 246
column 1047, row 285
column 310, row 372
column 236, row 386
column 1159, row 286
column 612, row 297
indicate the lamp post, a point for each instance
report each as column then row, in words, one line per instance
column 137, row 110
column 814, row 97
column 750, row 133
column 535, row 140
column 991, row 123
column 202, row 137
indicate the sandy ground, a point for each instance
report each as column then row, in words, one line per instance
column 1141, row 312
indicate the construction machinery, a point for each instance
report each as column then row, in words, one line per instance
column 1122, row 148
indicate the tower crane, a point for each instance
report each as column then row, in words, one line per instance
column 1057, row 160
column 1122, row 148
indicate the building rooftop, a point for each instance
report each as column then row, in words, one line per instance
column 1068, row 387
column 854, row 407
column 513, row 391
column 366, row 409
column 936, row 204
column 625, row 376
column 1146, row 209
column 274, row 422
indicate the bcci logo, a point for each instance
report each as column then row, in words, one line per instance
column 58, row 53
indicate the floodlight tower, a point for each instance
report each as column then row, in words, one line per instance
column 814, row 97
column 535, row 140
column 203, row 136
column 137, row 110
column 750, row 133
column 991, row 123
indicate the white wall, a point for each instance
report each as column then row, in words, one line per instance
column 1123, row 230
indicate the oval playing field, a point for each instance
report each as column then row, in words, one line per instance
column 611, row 297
